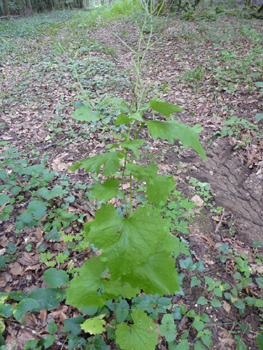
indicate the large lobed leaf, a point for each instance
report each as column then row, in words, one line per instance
column 158, row 188
column 138, row 249
column 111, row 161
column 171, row 130
column 83, row 289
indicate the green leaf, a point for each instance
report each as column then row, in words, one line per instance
column 259, row 340
column 195, row 281
column 198, row 325
column 133, row 145
column 215, row 303
column 15, row 190
column 158, row 275
column 85, row 114
column 73, row 325
column 241, row 346
column 239, row 304
column 164, row 108
column 259, row 116
column 52, row 327
column 183, row 345
column 141, row 335
column 128, row 242
column 259, row 83
column 206, row 339
column 158, row 188
column 107, row 190
column 47, row 298
column 83, row 289
column 23, row 306
column 218, row 292
column 174, row 130
column 37, row 208
column 122, row 119
column 10, row 248
column 30, row 344
column 199, row 346
column 260, row 281
column 3, row 174
column 168, row 328
column 4, row 199
column 49, row 340
column 26, row 217
column 6, row 310
column 224, row 248
column 55, row 278
column 258, row 303
column 205, row 318
column 122, row 311
column 94, row 325
column 110, row 160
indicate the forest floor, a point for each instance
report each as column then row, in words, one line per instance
column 213, row 69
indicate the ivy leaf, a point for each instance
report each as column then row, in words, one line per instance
column 215, row 303
column 133, row 145
column 23, row 306
column 174, row 130
column 201, row 301
column 110, row 160
column 199, row 346
column 52, row 327
column 126, row 242
column 94, row 325
column 73, row 325
column 4, row 199
column 122, row 311
column 26, row 217
column 6, row 310
column 37, row 208
column 164, row 108
column 85, row 114
column 47, row 298
column 141, row 335
column 183, row 345
column 260, row 281
column 259, row 340
column 107, row 190
column 239, row 304
column 168, row 328
column 3, row 174
column 49, row 340
column 55, row 278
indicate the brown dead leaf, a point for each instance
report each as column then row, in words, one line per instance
column 30, row 320
column 43, row 317
column 226, row 306
column 4, row 279
column 257, row 268
column 35, row 267
column 16, row 269
column 198, row 200
column 27, row 259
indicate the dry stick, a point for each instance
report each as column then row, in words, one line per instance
column 220, row 222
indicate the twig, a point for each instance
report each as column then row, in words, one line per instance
column 220, row 222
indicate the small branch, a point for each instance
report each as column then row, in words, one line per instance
column 220, row 222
